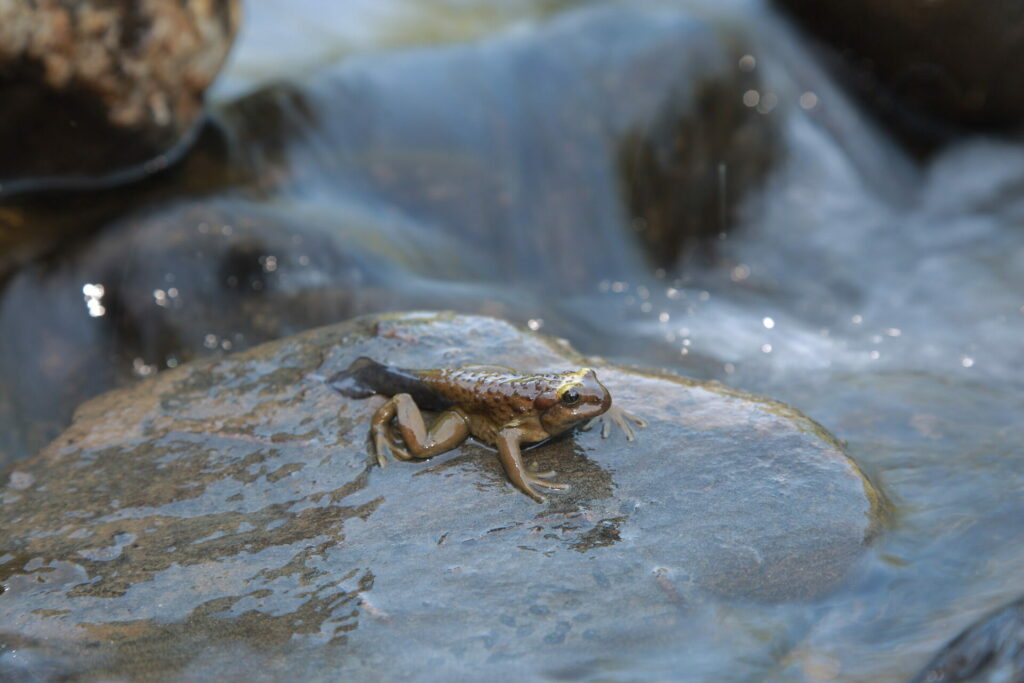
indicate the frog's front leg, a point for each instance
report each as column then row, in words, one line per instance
column 448, row 431
column 511, row 457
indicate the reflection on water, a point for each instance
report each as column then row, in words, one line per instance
column 884, row 301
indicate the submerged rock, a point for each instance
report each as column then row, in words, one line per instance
column 95, row 90
column 990, row 651
column 225, row 517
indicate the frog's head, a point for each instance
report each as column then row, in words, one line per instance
column 577, row 397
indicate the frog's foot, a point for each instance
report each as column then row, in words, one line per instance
column 383, row 442
column 619, row 417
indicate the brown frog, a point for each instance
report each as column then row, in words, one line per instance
column 494, row 404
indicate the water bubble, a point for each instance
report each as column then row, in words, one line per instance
column 751, row 98
column 769, row 323
column 875, row 355
column 535, row 323
column 857, row 319
column 739, row 273
column 747, row 63
column 766, row 348
column 967, row 362
column 663, row 317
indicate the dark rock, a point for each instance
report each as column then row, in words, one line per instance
column 95, row 92
column 225, row 516
column 990, row 651
column 932, row 67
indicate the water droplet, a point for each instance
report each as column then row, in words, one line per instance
column 808, row 100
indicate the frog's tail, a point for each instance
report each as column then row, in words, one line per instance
column 366, row 377
column 358, row 379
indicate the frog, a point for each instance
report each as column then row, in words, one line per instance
column 496, row 405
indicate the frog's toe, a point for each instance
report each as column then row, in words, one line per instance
column 546, row 484
column 528, row 490
column 380, row 447
column 399, row 452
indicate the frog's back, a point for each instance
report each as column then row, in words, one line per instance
column 498, row 393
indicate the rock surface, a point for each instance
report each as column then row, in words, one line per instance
column 225, row 516
column 951, row 62
column 103, row 87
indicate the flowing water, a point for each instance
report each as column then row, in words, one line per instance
column 881, row 296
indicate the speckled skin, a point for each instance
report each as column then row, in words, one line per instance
column 494, row 404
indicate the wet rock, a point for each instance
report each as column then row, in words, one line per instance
column 931, row 66
column 194, row 278
column 990, row 651
column 226, row 515
column 95, row 91
column 381, row 184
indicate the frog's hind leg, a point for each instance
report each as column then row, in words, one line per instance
column 447, row 432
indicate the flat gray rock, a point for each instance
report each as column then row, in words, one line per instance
column 225, row 517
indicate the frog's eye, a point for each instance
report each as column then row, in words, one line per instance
column 571, row 397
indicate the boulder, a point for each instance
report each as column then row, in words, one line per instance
column 97, row 91
column 226, row 517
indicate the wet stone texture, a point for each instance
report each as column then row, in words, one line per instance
column 225, row 516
